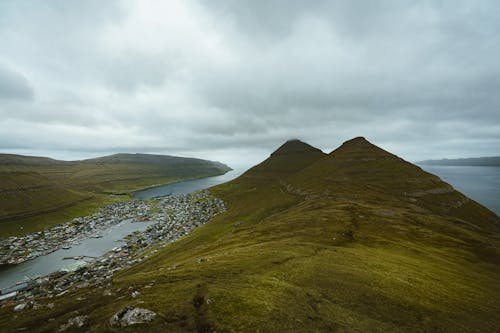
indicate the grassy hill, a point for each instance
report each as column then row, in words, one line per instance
column 292, row 156
column 354, row 241
column 36, row 191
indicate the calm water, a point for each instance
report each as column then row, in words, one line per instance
column 477, row 182
column 98, row 246
column 187, row 186
column 54, row 261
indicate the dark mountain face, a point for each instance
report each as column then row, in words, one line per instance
column 296, row 147
column 292, row 156
column 360, row 148
column 365, row 172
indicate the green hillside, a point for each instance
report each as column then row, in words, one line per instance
column 36, row 192
column 354, row 241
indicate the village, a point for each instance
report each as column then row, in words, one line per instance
column 174, row 217
column 15, row 250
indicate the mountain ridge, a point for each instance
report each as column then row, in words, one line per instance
column 333, row 244
column 295, row 146
column 358, row 165
column 290, row 157
column 16, row 159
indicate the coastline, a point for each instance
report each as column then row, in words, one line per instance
column 164, row 229
column 133, row 192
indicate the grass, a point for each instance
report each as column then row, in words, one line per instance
column 42, row 221
column 35, row 193
column 302, row 254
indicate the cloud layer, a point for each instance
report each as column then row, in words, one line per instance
column 231, row 80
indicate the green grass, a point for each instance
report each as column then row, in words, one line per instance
column 36, row 194
column 42, row 221
column 298, row 253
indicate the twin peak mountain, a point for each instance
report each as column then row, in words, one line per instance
column 359, row 171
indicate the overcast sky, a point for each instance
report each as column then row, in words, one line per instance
column 231, row 80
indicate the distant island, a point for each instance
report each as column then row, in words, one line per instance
column 476, row 161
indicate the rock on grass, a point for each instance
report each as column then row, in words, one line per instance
column 131, row 316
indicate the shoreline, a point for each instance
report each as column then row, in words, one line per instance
column 133, row 192
column 98, row 228
column 138, row 246
column 89, row 206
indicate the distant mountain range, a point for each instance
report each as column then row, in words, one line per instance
column 476, row 161
column 38, row 191
column 120, row 158
column 357, row 240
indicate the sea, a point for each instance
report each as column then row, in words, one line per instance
column 480, row 183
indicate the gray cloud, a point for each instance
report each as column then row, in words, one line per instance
column 231, row 80
column 14, row 85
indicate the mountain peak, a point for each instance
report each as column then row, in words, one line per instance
column 359, row 142
column 359, row 169
column 290, row 157
column 360, row 148
column 295, row 146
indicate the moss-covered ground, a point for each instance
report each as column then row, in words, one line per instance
column 293, row 253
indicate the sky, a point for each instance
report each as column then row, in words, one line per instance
column 232, row 80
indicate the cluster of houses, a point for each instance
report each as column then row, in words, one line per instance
column 175, row 217
column 15, row 250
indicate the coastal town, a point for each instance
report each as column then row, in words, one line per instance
column 15, row 250
column 173, row 217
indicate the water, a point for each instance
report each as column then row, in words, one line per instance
column 480, row 183
column 95, row 247
column 54, row 261
column 187, row 186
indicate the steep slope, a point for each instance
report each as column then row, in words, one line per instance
column 359, row 170
column 292, row 156
column 334, row 245
column 25, row 194
column 29, row 201
column 12, row 159
column 36, row 192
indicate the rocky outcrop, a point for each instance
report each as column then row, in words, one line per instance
column 131, row 316
column 76, row 322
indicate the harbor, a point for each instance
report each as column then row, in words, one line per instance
column 172, row 218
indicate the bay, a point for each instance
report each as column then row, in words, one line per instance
column 480, row 183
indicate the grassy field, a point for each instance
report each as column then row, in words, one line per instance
column 354, row 241
column 39, row 192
